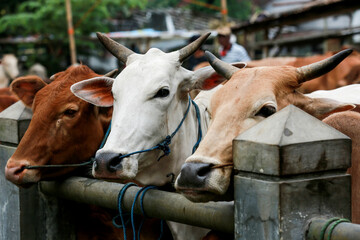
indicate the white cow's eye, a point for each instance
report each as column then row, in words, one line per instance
column 266, row 111
column 162, row 93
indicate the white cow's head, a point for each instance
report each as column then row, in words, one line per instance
column 150, row 97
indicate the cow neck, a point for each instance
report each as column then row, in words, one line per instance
column 164, row 145
column 74, row 164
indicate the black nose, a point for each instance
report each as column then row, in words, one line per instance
column 115, row 163
column 108, row 160
column 194, row 174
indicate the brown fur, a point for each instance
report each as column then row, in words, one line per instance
column 347, row 72
column 349, row 124
column 53, row 137
column 7, row 98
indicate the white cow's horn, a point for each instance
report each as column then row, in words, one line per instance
column 224, row 69
column 188, row 50
column 119, row 51
column 322, row 67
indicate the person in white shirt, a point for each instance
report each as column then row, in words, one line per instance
column 230, row 51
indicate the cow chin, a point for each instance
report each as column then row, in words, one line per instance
column 216, row 187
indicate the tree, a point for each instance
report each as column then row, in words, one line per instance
column 47, row 19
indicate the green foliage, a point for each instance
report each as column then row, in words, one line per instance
column 47, row 18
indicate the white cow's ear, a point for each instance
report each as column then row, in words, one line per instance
column 95, row 90
column 26, row 88
column 207, row 78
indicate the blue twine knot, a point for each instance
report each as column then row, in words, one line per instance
column 164, row 146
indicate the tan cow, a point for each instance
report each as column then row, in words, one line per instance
column 251, row 95
column 347, row 72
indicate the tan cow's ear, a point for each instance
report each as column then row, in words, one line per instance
column 323, row 107
column 26, row 88
column 95, row 90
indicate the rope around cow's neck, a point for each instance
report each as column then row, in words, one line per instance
column 72, row 164
column 164, row 145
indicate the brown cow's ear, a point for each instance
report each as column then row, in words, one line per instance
column 95, row 90
column 323, row 107
column 26, row 88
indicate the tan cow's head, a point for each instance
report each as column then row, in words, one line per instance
column 64, row 129
column 250, row 96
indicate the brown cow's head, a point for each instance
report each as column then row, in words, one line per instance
column 64, row 129
column 250, row 96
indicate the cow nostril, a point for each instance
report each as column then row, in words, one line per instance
column 19, row 170
column 115, row 163
column 204, row 170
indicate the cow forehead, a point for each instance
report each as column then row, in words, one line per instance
column 150, row 71
column 257, row 82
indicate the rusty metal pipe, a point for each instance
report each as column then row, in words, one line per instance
column 158, row 204
column 343, row 231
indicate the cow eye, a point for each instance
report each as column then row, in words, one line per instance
column 266, row 111
column 164, row 92
column 70, row 112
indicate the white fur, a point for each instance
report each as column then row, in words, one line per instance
column 346, row 94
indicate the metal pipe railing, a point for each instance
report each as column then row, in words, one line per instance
column 343, row 231
column 158, row 204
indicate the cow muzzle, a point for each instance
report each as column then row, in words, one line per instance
column 202, row 182
column 17, row 174
column 110, row 165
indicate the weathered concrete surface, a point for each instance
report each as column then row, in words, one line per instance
column 9, row 200
column 267, row 209
column 13, row 122
column 291, row 142
column 291, row 168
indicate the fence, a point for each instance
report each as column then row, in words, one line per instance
column 290, row 178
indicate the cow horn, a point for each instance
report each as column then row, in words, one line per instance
column 111, row 73
column 224, row 69
column 322, row 67
column 119, row 51
column 189, row 49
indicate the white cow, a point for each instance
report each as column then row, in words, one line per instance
column 9, row 69
column 150, row 99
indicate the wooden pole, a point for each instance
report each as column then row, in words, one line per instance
column 224, row 11
column 70, row 32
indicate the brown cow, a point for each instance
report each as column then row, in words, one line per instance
column 349, row 124
column 59, row 130
column 347, row 72
column 7, row 98
column 64, row 129
column 247, row 98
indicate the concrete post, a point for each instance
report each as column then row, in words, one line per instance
column 292, row 168
column 26, row 213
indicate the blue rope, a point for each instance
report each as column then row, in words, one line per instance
column 92, row 159
column 121, row 214
column 105, row 137
column 142, row 191
column 199, row 126
column 164, row 145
